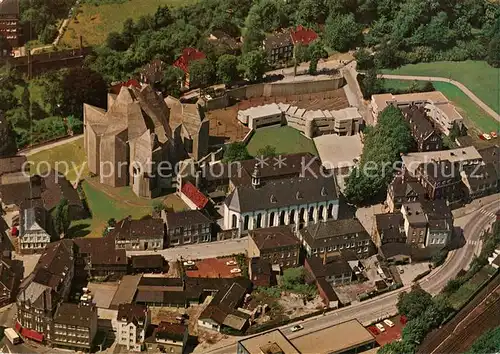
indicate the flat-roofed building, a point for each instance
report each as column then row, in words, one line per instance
column 346, row 337
column 436, row 105
column 256, row 117
column 270, row 342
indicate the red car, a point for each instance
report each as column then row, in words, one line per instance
column 374, row 330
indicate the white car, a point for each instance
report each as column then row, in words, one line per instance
column 189, row 263
column 235, row 271
column 297, row 328
column 231, row 263
column 380, row 327
column 487, row 136
column 389, row 323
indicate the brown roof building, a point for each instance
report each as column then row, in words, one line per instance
column 336, row 236
column 278, row 245
column 187, row 227
column 140, row 234
column 74, row 326
column 403, row 189
column 168, row 338
column 279, row 47
column 99, row 257
column 422, row 130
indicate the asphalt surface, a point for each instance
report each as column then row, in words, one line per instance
column 385, row 305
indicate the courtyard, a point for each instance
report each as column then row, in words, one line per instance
column 285, row 139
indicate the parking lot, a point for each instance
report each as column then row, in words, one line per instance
column 214, row 268
column 389, row 334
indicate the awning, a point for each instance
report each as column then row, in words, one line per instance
column 31, row 334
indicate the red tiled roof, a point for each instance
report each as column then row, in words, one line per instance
column 303, row 35
column 115, row 89
column 194, row 195
column 188, row 55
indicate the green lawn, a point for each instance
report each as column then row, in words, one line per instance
column 68, row 159
column 401, row 85
column 285, row 139
column 94, row 23
column 103, row 208
column 468, row 108
column 478, row 76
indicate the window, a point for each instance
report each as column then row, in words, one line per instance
column 334, row 247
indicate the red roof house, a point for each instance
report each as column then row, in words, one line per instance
column 188, row 55
column 193, row 197
column 303, row 35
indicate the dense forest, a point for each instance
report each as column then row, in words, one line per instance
column 397, row 31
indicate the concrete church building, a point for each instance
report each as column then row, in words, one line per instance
column 125, row 144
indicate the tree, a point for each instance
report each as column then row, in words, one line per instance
column 75, row 124
column 227, row 68
column 158, row 206
column 414, row 303
column 79, row 86
column 494, row 51
column 396, row 347
column 266, row 15
column 364, row 59
column 316, row 52
column 7, row 100
column 61, row 218
column 254, row 65
column 292, row 277
column 371, row 84
column 267, row 151
column 115, row 41
column 342, row 32
column 252, row 39
column 383, row 145
column 162, row 17
column 170, row 84
column 26, row 102
column 415, row 331
column 48, row 34
column 201, row 73
column 52, row 90
column 7, row 137
column 111, row 222
column 236, row 151
column 310, row 12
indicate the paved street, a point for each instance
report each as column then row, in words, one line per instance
column 200, row 251
column 382, row 306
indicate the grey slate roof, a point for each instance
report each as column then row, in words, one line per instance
column 334, row 229
column 282, row 193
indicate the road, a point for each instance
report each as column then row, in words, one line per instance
column 200, row 251
column 385, row 305
column 461, row 86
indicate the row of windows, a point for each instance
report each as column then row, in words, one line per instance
column 280, row 50
column 280, row 255
column 191, row 230
column 438, row 241
column 187, row 239
column 334, row 248
column 71, row 334
column 76, row 341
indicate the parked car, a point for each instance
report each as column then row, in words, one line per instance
column 374, row 330
column 487, row 136
column 389, row 323
column 494, row 134
column 297, row 328
column 380, row 327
